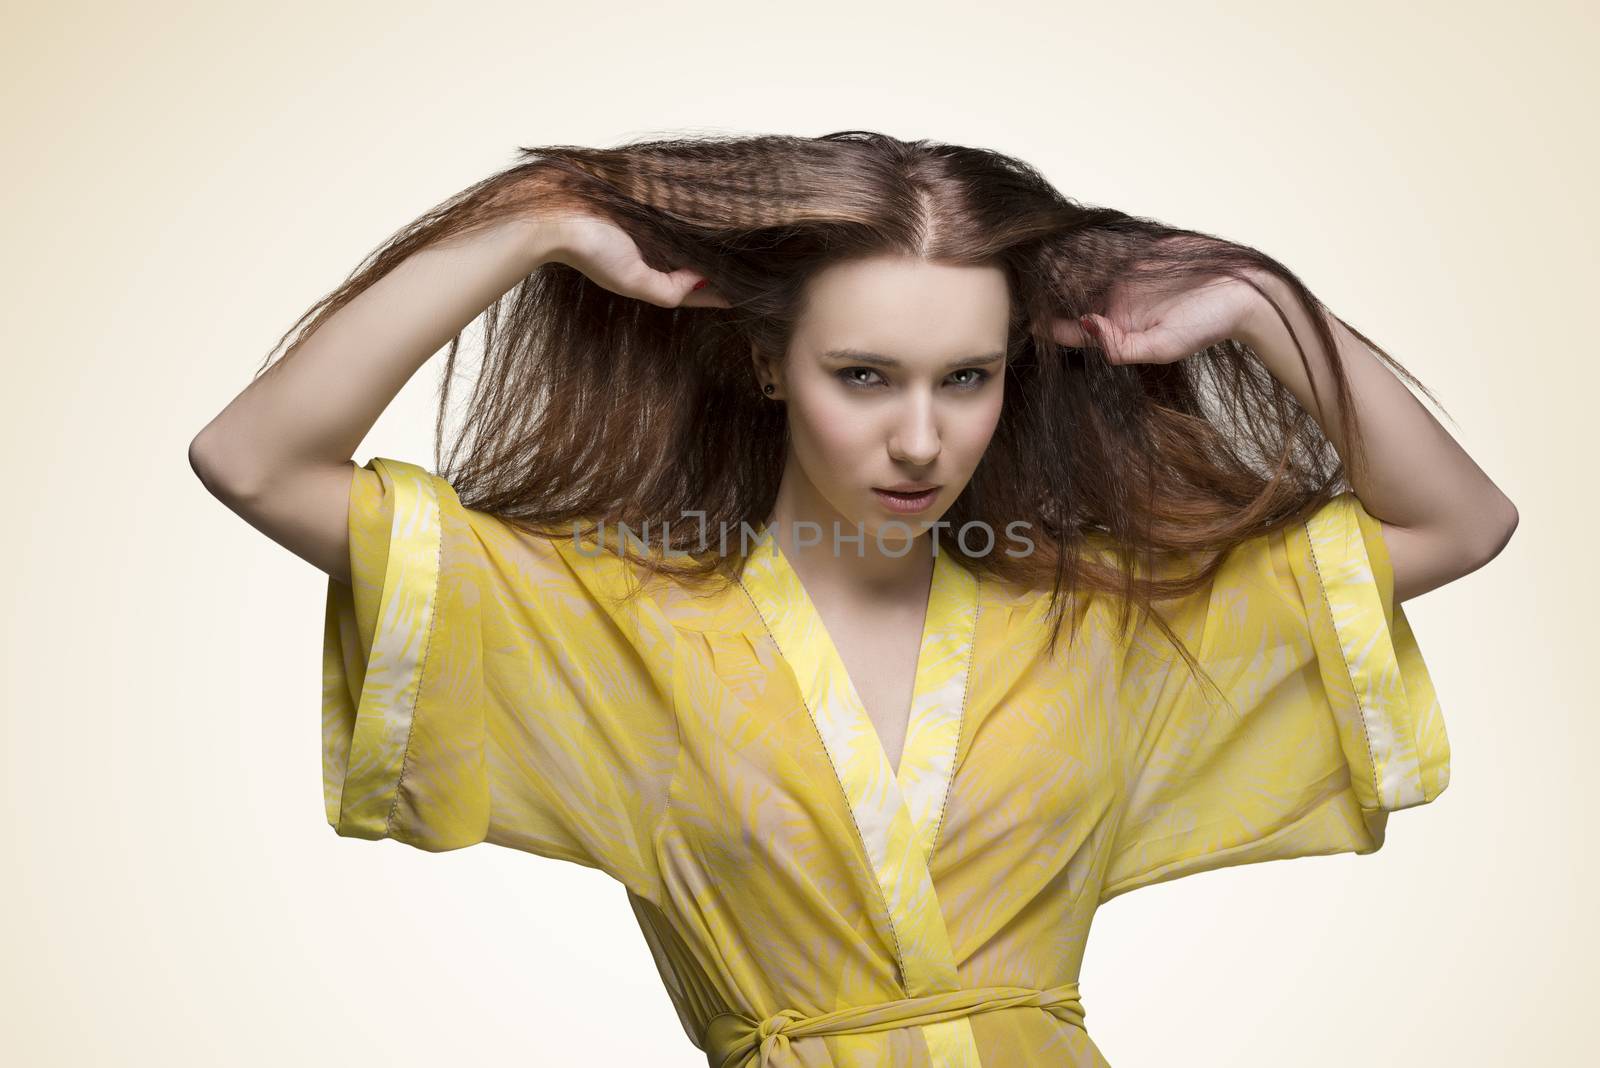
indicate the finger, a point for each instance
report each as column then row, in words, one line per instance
column 1100, row 333
column 664, row 289
column 701, row 294
column 1138, row 346
column 670, row 288
column 1068, row 332
column 1156, row 345
column 1117, row 345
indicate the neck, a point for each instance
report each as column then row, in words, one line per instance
column 820, row 545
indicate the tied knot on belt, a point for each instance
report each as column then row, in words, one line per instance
column 735, row 1040
column 770, row 1035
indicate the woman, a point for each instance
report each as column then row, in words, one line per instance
column 815, row 718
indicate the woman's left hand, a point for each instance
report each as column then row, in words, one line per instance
column 1149, row 322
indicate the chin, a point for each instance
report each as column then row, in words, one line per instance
column 895, row 526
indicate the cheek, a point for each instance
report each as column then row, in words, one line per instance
column 970, row 437
column 829, row 435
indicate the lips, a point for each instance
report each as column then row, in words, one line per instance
column 908, row 489
column 907, row 502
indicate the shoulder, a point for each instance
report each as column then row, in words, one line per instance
column 503, row 556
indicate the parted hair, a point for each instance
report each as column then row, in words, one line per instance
column 593, row 407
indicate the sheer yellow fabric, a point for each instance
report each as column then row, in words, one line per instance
column 806, row 903
column 1333, row 722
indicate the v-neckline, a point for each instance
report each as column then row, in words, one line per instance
column 831, row 653
column 897, row 811
column 828, row 649
column 920, row 778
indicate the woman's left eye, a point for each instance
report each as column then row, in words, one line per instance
column 974, row 382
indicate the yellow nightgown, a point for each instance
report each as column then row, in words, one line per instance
column 805, row 903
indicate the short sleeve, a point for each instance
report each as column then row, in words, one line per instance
column 484, row 684
column 1328, row 723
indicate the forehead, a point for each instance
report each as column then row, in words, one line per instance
column 895, row 303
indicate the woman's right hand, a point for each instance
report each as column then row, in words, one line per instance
column 609, row 258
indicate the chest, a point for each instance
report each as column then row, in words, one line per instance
column 1002, row 763
column 879, row 651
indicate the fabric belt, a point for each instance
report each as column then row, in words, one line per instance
column 734, row 1040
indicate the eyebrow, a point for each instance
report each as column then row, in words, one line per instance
column 879, row 360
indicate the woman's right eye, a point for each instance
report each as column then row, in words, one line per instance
column 845, row 374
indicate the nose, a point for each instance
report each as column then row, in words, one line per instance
column 915, row 438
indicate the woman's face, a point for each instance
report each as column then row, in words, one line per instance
column 894, row 376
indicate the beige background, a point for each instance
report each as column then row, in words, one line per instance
column 182, row 180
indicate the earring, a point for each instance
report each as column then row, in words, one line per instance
column 768, row 389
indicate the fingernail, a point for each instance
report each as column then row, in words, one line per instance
column 697, row 285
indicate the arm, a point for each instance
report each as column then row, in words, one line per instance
column 279, row 453
column 1442, row 517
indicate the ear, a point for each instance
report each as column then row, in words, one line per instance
column 766, row 370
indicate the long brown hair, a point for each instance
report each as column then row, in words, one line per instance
column 593, row 407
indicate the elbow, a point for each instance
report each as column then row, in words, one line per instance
column 1499, row 532
column 207, row 459
column 200, row 461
